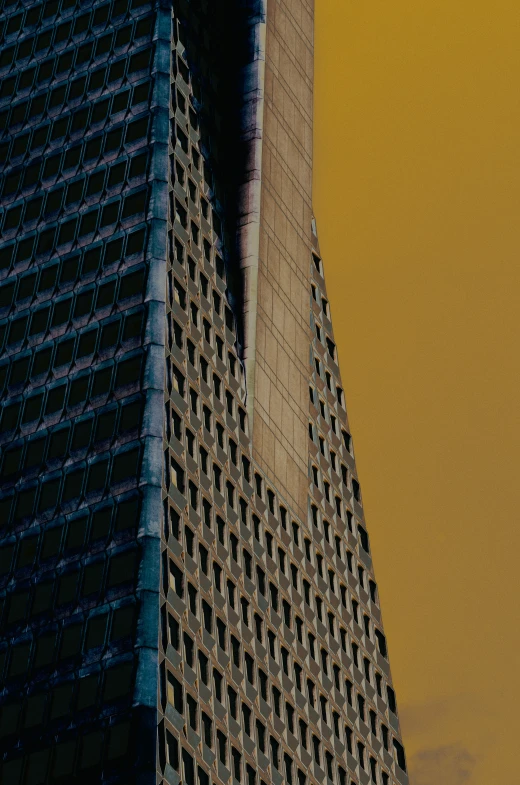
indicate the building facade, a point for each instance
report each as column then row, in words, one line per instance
column 186, row 585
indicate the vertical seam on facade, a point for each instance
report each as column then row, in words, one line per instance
column 250, row 191
column 146, row 687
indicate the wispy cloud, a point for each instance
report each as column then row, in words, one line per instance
column 450, row 765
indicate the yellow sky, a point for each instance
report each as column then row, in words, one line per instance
column 417, row 197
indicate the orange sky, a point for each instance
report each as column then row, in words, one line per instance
column 417, row 197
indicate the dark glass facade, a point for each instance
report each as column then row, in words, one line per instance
column 75, row 97
column 166, row 614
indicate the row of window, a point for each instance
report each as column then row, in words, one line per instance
column 83, row 754
column 64, row 643
column 82, row 584
column 46, row 170
column 67, row 490
column 22, row 18
column 77, row 229
column 92, row 386
column 56, row 704
column 78, row 308
column 78, row 191
column 57, row 37
column 55, row 276
column 52, row 449
column 179, row 338
column 57, row 357
column 251, row 618
column 200, row 722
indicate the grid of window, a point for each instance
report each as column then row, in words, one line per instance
column 75, row 157
column 275, row 660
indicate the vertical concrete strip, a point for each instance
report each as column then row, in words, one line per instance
column 249, row 195
column 282, row 283
column 147, row 642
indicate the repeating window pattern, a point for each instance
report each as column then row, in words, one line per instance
column 275, row 664
column 75, row 162
column 273, row 661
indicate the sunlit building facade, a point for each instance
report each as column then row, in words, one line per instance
column 186, row 584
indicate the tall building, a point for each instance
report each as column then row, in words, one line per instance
column 186, row 586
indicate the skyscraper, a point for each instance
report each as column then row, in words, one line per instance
column 186, row 585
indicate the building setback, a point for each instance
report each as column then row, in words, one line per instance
column 186, row 586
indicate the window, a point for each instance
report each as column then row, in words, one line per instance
column 232, row 700
column 237, row 764
column 192, row 711
column 270, row 501
column 275, row 750
column 207, row 614
column 174, row 632
column 381, row 642
column 260, row 735
column 288, row 765
column 248, row 564
column 277, row 695
column 217, row 683
column 392, row 705
column 250, row 668
column 175, row 693
column 348, row 736
column 246, row 718
column 189, row 649
column 273, row 590
column 361, row 754
column 312, row 646
column 222, row 747
column 263, row 684
column 311, row 690
column 323, row 705
column 324, row 662
column 235, row 651
column 399, row 754
column 316, row 749
column 328, row 762
column 221, row 634
column 246, row 468
column 172, row 746
column 303, row 733
column 271, row 637
column 192, row 599
column 245, row 610
column 231, row 588
column 207, row 730
column 298, row 670
column 260, row 575
column 384, row 734
column 259, row 630
column 203, row 667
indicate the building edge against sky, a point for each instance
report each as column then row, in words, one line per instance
column 187, row 586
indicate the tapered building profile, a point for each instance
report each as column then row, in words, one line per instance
column 186, row 585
